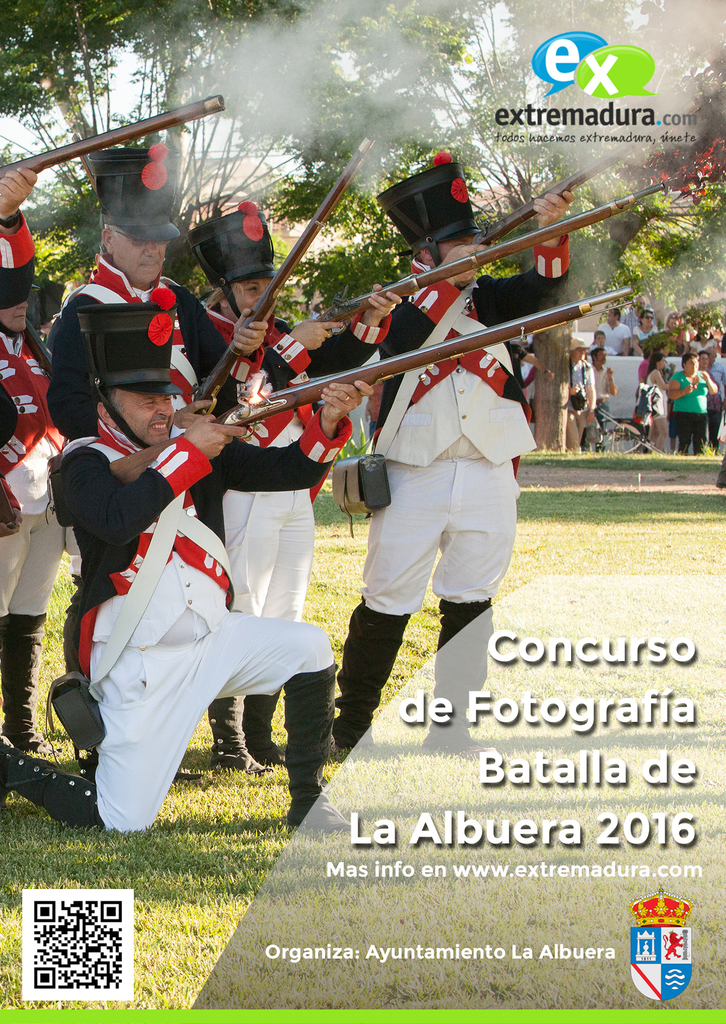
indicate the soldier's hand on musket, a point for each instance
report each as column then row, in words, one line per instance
column 15, row 187
column 210, row 437
column 10, row 531
column 341, row 399
column 312, row 333
column 550, row 209
column 247, row 340
column 183, row 418
column 382, row 303
column 460, row 252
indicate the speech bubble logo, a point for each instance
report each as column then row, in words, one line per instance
column 615, row 71
column 556, row 60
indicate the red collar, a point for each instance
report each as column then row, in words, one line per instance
column 111, row 277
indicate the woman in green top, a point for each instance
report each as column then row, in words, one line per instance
column 689, row 390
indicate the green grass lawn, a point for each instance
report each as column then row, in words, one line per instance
column 642, row 462
column 197, row 869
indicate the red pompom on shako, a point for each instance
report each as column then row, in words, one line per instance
column 163, row 297
column 459, row 190
column 443, row 157
column 155, row 174
column 160, row 329
column 251, row 225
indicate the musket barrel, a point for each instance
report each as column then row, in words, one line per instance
column 137, row 130
column 410, row 285
column 371, row 373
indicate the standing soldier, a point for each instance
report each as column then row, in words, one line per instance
column 136, row 190
column 270, row 535
column 452, row 437
column 31, row 549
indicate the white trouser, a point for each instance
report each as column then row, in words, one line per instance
column 465, row 508
column 29, row 563
column 153, row 699
column 270, row 541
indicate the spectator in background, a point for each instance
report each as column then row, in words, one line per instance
column 598, row 341
column 631, row 316
column 605, row 386
column 617, row 335
column 714, row 403
column 648, row 327
column 689, row 389
column 674, row 326
column 582, row 403
column 654, row 375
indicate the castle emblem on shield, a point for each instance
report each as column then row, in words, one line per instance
column 660, row 946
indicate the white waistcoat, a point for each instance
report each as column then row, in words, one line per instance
column 463, row 405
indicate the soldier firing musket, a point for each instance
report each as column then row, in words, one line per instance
column 270, row 536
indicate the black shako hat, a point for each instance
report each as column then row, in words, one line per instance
column 136, row 190
column 432, row 206
column 128, row 344
column 16, row 283
column 236, row 247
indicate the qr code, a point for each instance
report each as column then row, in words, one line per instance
column 78, row 944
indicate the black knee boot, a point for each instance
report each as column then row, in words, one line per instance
column 229, row 749
column 454, row 617
column 368, row 656
column 67, row 798
column 20, row 668
column 459, row 669
column 259, row 709
column 308, row 720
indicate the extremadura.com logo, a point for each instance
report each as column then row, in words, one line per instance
column 601, row 71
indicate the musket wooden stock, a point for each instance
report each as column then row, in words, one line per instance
column 137, row 130
column 209, row 388
column 303, row 394
column 414, row 283
column 131, row 467
column 37, row 347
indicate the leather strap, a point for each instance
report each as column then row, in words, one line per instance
column 142, row 589
column 410, row 379
column 173, row 519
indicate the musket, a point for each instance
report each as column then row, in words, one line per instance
column 209, row 388
column 137, row 130
column 502, row 227
column 259, row 408
column 413, row 283
column 35, row 343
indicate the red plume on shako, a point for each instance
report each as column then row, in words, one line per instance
column 458, row 186
column 161, row 327
column 154, row 175
column 163, row 297
column 252, row 225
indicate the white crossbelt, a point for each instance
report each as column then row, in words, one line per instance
column 450, row 320
column 172, row 520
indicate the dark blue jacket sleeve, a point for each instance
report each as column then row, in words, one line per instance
column 112, row 512
column 245, row 467
column 70, row 399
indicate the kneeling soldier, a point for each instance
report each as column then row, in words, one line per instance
column 157, row 659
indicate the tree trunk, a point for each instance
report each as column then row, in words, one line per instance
column 551, row 396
